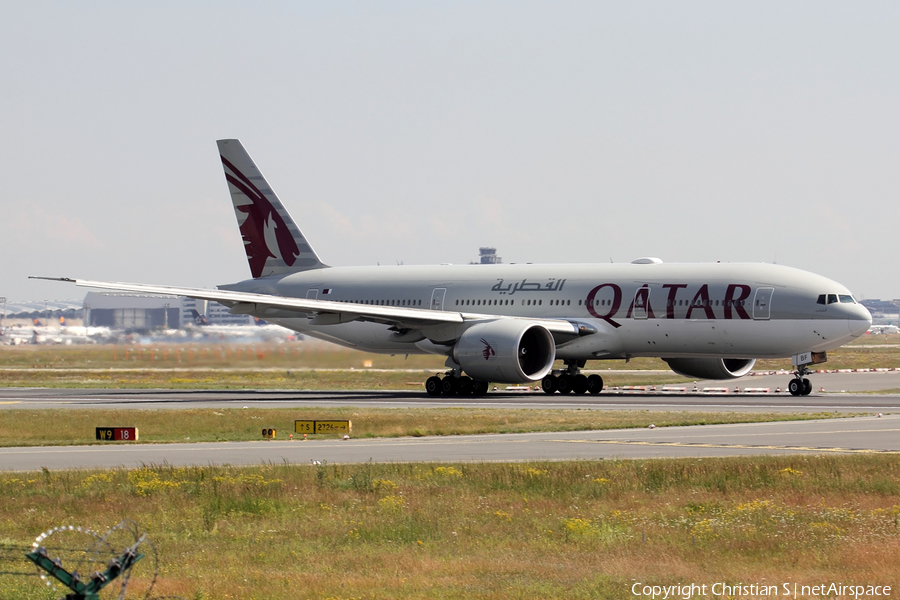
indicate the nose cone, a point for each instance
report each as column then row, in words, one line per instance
column 860, row 321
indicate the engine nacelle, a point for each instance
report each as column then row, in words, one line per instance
column 506, row 351
column 711, row 368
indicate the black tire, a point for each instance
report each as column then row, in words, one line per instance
column 433, row 386
column 579, row 384
column 464, row 386
column 795, row 387
column 806, row 390
column 448, row 385
column 564, row 384
column 480, row 388
column 548, row 384
column 594, row 384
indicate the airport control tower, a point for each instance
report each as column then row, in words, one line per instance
column 488, row 256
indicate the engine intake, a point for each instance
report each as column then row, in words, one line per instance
column 506, row 351
column 711, row 368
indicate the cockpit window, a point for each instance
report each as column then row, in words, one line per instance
column 834, row 298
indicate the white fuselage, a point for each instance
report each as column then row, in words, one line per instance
column 722, row 310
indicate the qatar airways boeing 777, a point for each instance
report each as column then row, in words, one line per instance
column 509, row 323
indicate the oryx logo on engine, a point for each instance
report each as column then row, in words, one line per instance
column 488, row 351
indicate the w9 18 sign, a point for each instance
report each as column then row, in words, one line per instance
column 117, row 434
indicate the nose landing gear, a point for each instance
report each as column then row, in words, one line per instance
column 800, row 385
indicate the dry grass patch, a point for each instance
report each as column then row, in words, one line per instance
column 582, row 529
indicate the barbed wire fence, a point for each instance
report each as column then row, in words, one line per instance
column 82, row 564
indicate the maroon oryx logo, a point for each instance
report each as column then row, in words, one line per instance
column 488, row 351
column 261, row 216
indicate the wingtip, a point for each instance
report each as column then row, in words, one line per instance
column 66, row 279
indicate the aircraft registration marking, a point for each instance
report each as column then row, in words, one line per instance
column 738, row 446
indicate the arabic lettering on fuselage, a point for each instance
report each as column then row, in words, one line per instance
column 552, row 285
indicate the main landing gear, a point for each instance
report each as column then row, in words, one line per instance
column 454, row 384
column 571, row 381
column 800, row 385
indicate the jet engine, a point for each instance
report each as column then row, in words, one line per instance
column 506, row 350
column 711, row 368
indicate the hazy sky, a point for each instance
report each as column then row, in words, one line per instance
column 419, row 131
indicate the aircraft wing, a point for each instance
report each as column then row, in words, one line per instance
column 325, row 311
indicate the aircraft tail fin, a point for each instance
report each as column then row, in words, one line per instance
column 273, row 242
column 198, row 318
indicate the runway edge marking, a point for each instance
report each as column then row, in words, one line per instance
column 737, row 446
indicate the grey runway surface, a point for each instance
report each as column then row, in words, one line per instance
column 853, row 401
column 847, row 435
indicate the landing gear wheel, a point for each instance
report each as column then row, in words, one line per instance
column 548, row 384
column 433, row 386
column 594, row 384
column 564, row 384
column 448, row 385
column 480, row 388
column 464, row 386
column 579, row 384
column 807, row 387
column 795, row 387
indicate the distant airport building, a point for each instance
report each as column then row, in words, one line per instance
column 885, row 307
column 215, row 313
column 43, row 309
column 141, row 311
column 132, row 311
column 488, row 256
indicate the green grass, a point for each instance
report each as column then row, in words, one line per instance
column 585, row 529
column 76, row 426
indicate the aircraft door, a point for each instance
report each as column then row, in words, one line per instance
column 312, row 294
column 641, row 303
column 762, row 302
column 437, row 298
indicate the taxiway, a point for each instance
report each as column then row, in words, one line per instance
column 849, row 435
